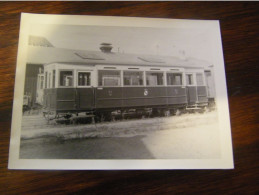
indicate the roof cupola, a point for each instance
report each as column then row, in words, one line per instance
column 106, row 47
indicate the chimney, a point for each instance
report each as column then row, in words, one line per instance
column 106, row 47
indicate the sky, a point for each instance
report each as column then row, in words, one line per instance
column 138, row 40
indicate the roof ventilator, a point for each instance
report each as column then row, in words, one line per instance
column 106, row 47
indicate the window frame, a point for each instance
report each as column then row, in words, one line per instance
column 45, row 79
column 53, row 78
column 77, row 79
column 73, row 78
column 193, row 77
column 203, row 78
column 49, row 80
column 182, row 79
column 143, row 78
column 155, row 71
column 119, row 76
column 41, row 82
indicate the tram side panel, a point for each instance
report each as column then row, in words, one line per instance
column 202, row 94
column 134, row 97
column 192, row 95
column 60, row 100
column 49, row 100
column 155, row 96
column 66, row 99
column 108, row 97
column 176, row 95
column 85, row 98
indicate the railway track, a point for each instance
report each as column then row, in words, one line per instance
column 37, row 126
column 38, row 121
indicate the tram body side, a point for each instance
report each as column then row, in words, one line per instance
column 112, row 98
column 94, row 98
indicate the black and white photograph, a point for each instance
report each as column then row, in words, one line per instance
column 95, row 92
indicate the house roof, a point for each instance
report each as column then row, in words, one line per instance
column 39, row 41
column 47, row 55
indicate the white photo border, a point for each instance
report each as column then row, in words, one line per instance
column 212, row 26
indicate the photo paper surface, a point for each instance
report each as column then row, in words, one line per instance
column 102, row 93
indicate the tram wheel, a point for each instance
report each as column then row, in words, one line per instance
column 178, row 112
column 166, row 113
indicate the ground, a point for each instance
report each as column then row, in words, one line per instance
column 189, row 136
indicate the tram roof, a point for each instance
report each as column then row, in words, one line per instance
column 47, row 55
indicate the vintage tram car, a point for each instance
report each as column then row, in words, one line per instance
column 107, row 84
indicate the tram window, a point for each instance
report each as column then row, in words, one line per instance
column 53, row 78
column 66, row 78
column 38, row 82
column 109, row 78
column 46, row 79
column 133, row 78
column 199, row 79
column 154, row 78
column 174, row 79
column 41, row 82
column 189, row 79
column 84, row 79
column 49, row 80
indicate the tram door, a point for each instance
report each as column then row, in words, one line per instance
column 191, row 89
column 85, row 93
